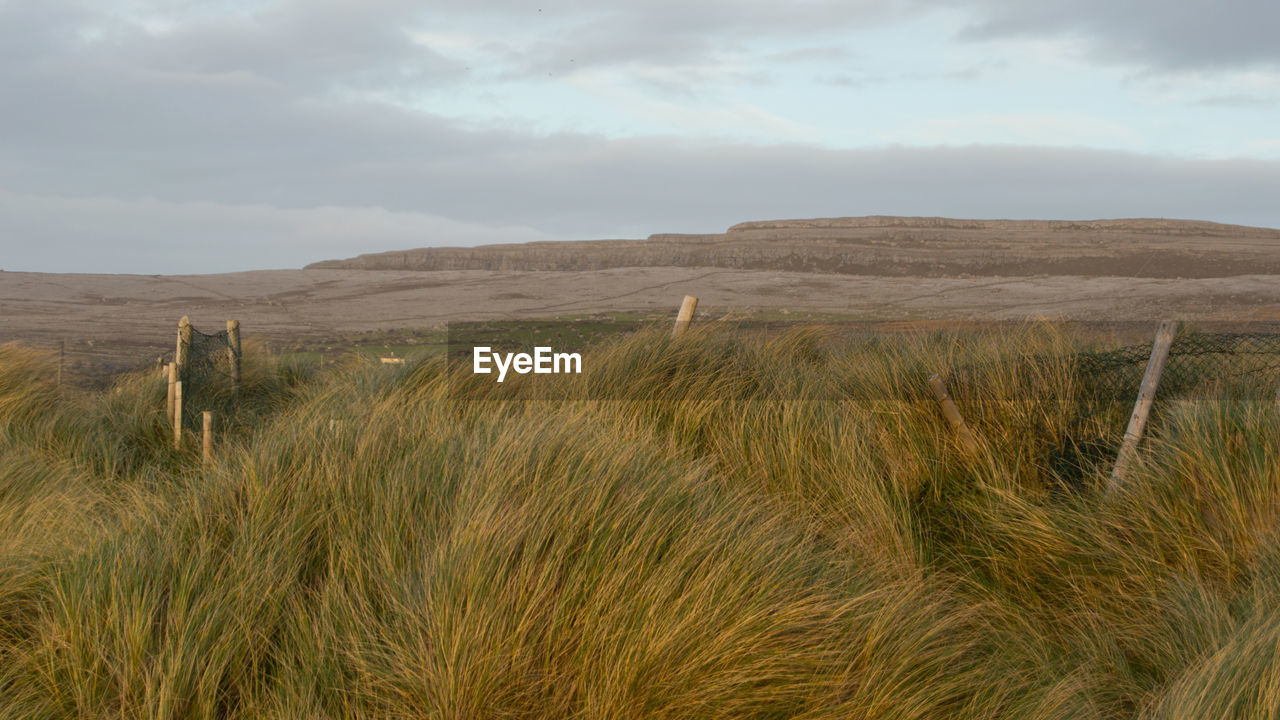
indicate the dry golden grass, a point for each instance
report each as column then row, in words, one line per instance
column 734, row 527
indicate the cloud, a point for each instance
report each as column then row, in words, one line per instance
column 1185, row 35
column 310, row 46
column 111, row 235
column 708, row 39
column 629, row 188
column 267, row 130
column 719, row 119
column 640, row 186
column 308, row 43
column 1157, row 34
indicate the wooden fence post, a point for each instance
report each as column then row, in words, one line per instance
column 172, row 369
column 182, row 355
column 686, row 315
column 952, row 413
column 233, row 351
column 177, row 415
column 206, row 454
column 1165, row 334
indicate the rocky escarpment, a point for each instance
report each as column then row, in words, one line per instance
column 890, row 246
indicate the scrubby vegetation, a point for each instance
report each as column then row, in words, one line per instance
column 741, row 528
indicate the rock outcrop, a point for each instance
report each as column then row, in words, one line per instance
column 890, row 246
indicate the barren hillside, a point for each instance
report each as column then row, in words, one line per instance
column 891, row 246
column 874, row 269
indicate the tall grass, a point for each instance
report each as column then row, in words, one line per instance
column 718, row 526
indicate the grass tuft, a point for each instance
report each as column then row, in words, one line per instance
column 724, row 525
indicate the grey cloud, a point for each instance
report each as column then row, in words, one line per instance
column 307, row 45
column 599, row 188
column 1195, row 34
column 110, row 235
column 310, row 47
column 31, row 31
column 666, row 33
column 129, row 141
column 666, row 17
column 317, row 44
column 646, row 186
column 1189, row 34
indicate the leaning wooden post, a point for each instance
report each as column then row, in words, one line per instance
column 206, row 454
column 182, row 356
column 952, row 413
column 233, row 351
column 686, row 315
column 172, row 369
column 1142, row 407
column 177, row 415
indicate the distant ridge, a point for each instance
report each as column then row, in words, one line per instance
column 890, row 246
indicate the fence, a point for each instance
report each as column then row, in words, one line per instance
column 204, row 379
column 1105, row 384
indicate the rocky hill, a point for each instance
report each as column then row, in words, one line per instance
column 890, row 246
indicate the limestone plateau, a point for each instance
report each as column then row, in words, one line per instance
column 892, row 247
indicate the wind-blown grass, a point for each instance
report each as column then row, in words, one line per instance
column 716, row 526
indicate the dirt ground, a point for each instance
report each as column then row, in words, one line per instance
column 113, row 322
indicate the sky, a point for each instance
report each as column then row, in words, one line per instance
column 169, row 136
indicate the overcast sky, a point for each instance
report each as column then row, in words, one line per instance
column 169, row 136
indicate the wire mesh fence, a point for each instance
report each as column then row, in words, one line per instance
column 1097, row 388
column 208, row 378
column 1196, row 361
column 209, row 356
